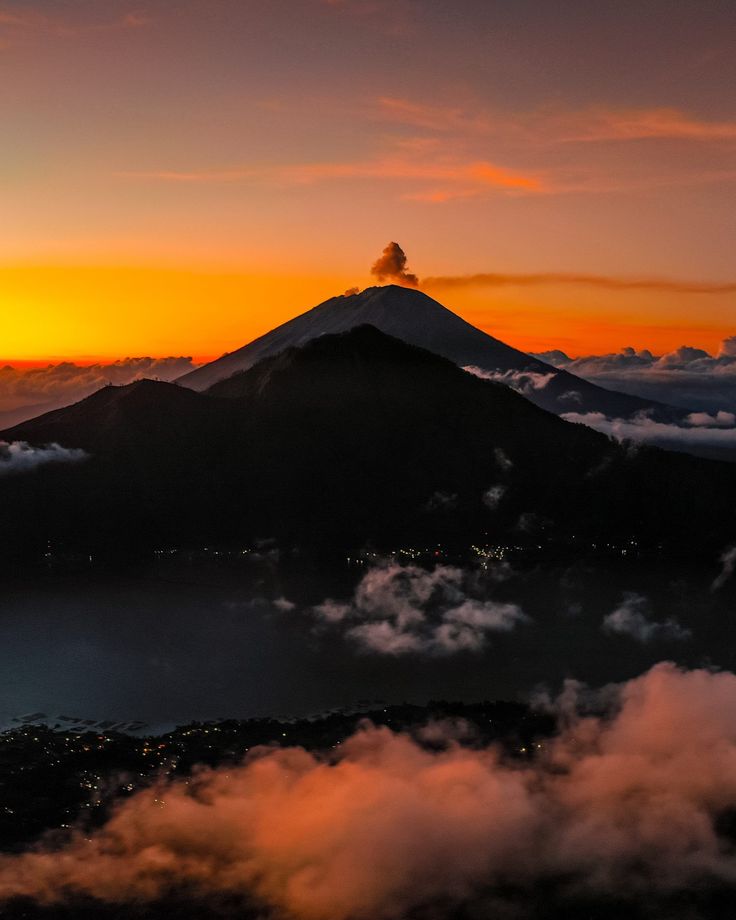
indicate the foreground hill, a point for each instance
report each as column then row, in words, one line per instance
column 355, row 437
column 413, row 317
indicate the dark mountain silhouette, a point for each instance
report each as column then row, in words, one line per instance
column 415, row 318
column 354, row 437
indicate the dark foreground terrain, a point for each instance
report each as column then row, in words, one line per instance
column 353, row 439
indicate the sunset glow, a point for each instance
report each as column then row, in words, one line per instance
column 208, row 170
column 368, row 458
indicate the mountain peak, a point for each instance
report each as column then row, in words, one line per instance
column 417, row 319
column 403, row 312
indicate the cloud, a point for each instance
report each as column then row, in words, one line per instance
column 642, row 428
column 399, row 610
column 442, row 119
column 284, row 605
column 390, row 267
column 623, row 805
column 21, row 457
column 492, row 497
column 607, row 282
column 728, row 565
column 20, row 26
column 728, row 348
column 718, row 420
column 503, row 460
column 597, row 125
column 596, row 150
column 44, row 388
column 442, row 501
column 557, row 126
column 439, row 154
column 450, row 176
column 660, row 434
column 630, row 619
column 332, row 611
column 524, row 382
column 688, row 377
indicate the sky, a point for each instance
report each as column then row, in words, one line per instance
column 177, row 178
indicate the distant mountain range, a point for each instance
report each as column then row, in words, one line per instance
column 413, row 317
column 353, row 437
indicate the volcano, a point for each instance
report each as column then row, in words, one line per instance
column 415, row 318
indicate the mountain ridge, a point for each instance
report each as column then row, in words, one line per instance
column 354, row 438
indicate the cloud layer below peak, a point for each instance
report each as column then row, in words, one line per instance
column 623, row 805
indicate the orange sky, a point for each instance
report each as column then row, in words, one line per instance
column 99, row 313
column 179, row 181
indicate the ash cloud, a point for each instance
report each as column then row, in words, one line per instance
column 403, row 610
column 21, row 457
column 624, row 804
column 390, row 267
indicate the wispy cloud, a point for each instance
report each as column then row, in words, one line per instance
column 422, row 176
column 728, row 565
column 545, row 137
column 608, row 282
column 556, row 126
column 454, row 152
column 19, row 25
column 597, row 125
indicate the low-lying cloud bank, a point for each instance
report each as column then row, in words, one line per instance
column 626, row 805
column 687, row 377
column 660, row 434
column 401, row 610
column 21, row 457
column 41, row 389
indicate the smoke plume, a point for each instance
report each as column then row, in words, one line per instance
column 390, row 268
